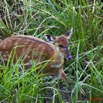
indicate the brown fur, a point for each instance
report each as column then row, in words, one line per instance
column 31, row 48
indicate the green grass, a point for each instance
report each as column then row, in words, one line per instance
column 55, row 17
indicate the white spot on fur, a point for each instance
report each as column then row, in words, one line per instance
column 28, row 40
column 4, row 55
column 16, row 43
column 9, row 40
column 26, row 43
column 4, row 46
column 5, row 42
column 7, row 52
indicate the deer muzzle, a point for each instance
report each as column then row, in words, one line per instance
column 68, row 54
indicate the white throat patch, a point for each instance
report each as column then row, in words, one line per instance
column 58, row 65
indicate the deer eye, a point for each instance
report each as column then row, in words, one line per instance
column 61, row 46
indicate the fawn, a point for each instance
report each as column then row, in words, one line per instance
column 53, row 51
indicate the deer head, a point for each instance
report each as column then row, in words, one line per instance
column 62, row 42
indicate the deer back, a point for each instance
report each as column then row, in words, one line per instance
column 27, row 47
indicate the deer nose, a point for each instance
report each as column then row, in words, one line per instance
column 69, row 58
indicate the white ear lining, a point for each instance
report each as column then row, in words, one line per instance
column 46, row 38
column 52, row 38
column 49, row 38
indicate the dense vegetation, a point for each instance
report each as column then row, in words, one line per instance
column 85, row 72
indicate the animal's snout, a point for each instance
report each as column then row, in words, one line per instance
column 68, row 54
column 69, row 57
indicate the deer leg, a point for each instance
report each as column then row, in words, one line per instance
column 62, row 75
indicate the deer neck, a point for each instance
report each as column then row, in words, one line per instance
column 58, row 58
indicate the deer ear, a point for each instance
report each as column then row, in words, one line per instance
column 69, row 33
column 50, row 38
